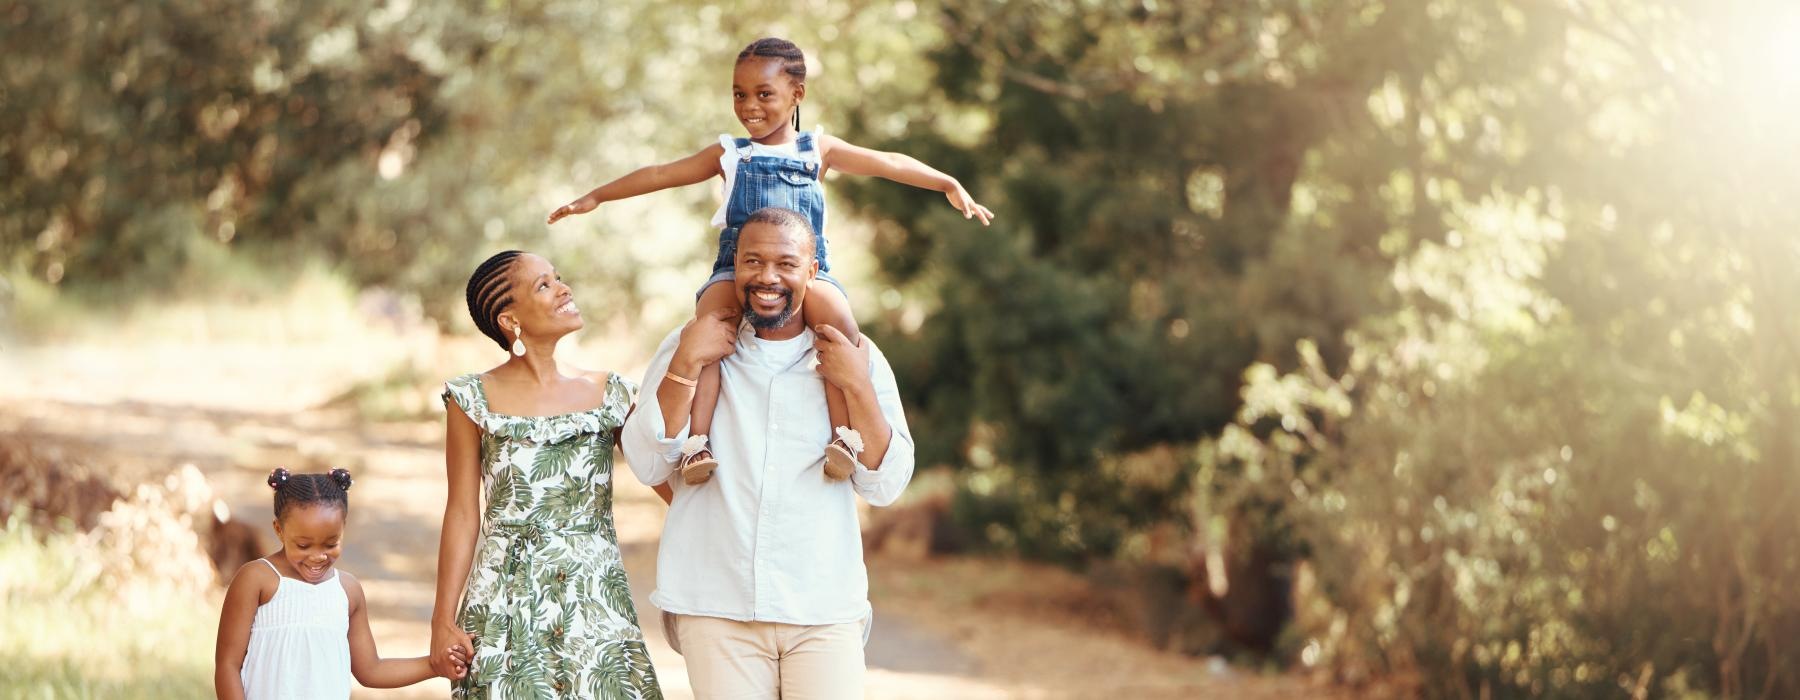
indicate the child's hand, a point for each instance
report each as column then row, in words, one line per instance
column 459, row 662
column 448, row 644
column 705, row 340
column 960, row 199
column 841, row 362
column 579, row 206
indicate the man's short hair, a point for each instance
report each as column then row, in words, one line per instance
column 788, row 220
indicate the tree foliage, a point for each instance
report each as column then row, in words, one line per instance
column 1481, row 312
column 401, row 142
column 1511, row 281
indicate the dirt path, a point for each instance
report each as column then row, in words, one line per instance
column 395, row 510
column 937, row 634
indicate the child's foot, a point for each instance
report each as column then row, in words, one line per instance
column 697, row 463
column 840, row 455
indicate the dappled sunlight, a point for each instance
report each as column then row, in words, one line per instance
column 1355, row 348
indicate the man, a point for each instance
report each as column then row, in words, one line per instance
column 760, row 574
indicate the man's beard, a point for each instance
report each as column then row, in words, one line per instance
column 763, row 323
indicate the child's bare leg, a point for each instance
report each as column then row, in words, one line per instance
column 697, row 468
column 826, row 304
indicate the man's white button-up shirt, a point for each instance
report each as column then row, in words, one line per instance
column 768, row 539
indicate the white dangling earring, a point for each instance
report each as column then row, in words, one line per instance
column 518, row 346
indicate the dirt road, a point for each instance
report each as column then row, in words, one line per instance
column 235, row 414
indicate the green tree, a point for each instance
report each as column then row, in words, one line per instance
column 398, row 142
column 1537, row 251
column 1562, row 463
column 146, row 135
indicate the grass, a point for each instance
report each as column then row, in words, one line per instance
column 233, row 300
column 69, row 632
column 405, row 392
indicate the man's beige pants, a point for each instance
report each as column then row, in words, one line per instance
column 728, row 659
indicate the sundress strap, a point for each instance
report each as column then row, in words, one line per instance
column 804, row 143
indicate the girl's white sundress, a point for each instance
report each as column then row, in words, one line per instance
column 300, row 642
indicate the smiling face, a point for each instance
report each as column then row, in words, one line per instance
column 542, row 306
column 312, row 537
column 764, row 97
column 774, row 265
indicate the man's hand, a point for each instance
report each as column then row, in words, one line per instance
column 841, row 362
column 704, row 340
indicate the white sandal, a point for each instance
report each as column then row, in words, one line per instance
column 697, row 463
column 841, row 454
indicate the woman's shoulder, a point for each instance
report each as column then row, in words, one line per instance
column 606, row 380
column 466, row 392
column 465, row 389
column 617, row 393
column 597, row 376
column 470, row 379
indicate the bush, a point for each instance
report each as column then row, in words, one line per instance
column 128, row 609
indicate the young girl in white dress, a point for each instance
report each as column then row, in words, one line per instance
column 294, row 626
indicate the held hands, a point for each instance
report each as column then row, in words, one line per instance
column 452, row 652
column 841, row 362
column 459, row 662
column 584, row 205
column 958, row 197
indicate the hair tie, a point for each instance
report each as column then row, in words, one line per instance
column 342, row 477
column 278, row 477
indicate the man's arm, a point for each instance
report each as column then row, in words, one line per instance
column 885, row 464
column 649, row 447
column 651, row 455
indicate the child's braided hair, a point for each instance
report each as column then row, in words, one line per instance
column 296, row 489
column 793, row 61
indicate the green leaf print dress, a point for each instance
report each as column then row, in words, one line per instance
column 546, row 598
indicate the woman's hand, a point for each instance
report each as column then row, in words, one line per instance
column 964, row 203
column 584, row 205
column 452, row 651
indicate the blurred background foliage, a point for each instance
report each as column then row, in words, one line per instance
column 1445, row 340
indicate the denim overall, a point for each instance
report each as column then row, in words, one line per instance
column 772, row 181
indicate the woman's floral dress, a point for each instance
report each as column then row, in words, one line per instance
column 546, row 598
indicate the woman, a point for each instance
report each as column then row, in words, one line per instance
column 534, row 583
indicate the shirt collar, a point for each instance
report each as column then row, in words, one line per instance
column 773, row 352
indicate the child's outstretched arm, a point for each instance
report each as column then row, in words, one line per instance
column 691, row 170
column 899, row 167
column 248, row 590
column 366, row 663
